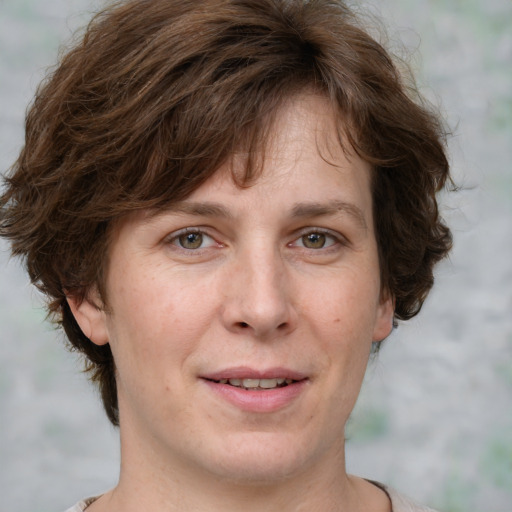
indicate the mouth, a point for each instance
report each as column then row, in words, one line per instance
column 256, row 384
column 256, row 390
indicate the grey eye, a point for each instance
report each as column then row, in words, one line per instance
column 314, row 240
column 191, row 240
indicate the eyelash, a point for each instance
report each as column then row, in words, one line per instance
column 174, row 238
column 335, row 238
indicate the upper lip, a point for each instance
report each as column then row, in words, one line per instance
column 245, row 372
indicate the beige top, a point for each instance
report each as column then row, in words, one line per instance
column 399, row 503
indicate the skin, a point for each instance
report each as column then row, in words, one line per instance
column 283, row 274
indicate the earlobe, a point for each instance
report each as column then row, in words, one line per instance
column 90, row 317
column 384, row 320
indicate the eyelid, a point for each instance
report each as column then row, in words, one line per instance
column 338, row 237
column 171, row 238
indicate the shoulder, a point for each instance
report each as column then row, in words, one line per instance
column 82, row 505
column 401, row 503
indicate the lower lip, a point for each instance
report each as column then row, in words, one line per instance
column 267, row 400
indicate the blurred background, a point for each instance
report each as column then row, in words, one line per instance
column 435, row 415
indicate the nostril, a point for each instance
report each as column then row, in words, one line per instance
column 282, row 326
column 244, row 325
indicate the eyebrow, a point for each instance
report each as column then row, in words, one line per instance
column 299, row 210
column 205, row 209
column 335, row 207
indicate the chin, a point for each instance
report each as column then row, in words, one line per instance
column 263, row 459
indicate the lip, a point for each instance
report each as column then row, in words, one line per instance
column 260, row 401
column 245, row 372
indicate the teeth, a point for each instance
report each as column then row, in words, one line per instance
column 251, row 383
column 257, row 383
column 268, row 383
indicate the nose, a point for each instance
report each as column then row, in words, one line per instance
column 259, row 296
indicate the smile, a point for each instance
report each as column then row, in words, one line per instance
column 257, row 384
column 258, row 395
column 257, row 390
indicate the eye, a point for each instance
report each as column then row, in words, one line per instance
column 192, row 240
column 316, row 240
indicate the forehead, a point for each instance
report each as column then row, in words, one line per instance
column 301, row 169
column 306, row 125
column 304, row 148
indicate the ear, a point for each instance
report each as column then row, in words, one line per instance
column 90, row 316
column 384, row 318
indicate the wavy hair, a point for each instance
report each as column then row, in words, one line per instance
column 157, row 95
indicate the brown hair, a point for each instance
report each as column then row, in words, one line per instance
column 158, row 94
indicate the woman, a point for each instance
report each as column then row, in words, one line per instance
column 227, row 203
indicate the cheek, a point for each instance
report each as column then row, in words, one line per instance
column 345, row 304
column 154, row 317
column 341, row 318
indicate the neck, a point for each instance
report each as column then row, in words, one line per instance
column 148, row 482
column 152, row 478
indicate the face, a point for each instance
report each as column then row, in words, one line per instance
column 241, row 320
